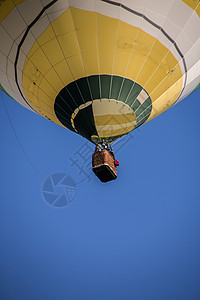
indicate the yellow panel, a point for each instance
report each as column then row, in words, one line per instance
column 54, row 80
column 134, row 67
column 152, row 63
column 64, row 72
column 47, row 91
column 86, row 35
column 160, row 83
column 36, row 60
column 6, row 6
column 37, row 99
column 90, row 63
column 139, row 57
column 87, row 39
column 33, row 74
column 31, row 90
column 166, row 100
column 83, row 19
column 106, row 62
column 107, row 42
column 46, row 36
column 107, row 38
column 106, row 22
column 69, row 44
column 54, row 47
column 121, row 62
column 32, row 52
column 64, row 24
column 126, row 38
column 193, row 4
column 125, row 46
column 76, row 65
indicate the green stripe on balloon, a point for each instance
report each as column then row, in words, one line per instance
column 2, row 88
column 195, row 88
column 95, row 87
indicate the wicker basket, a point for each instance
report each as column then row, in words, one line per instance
column 103, row 165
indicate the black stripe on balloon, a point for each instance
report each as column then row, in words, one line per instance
column 159, row 28
column 84, row 122
column 21, row 43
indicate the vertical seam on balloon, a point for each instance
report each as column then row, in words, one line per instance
column 83, row 67
column 140, row 73
column 99, row 76
column 129, row 63
column 115, row 51
column 98, row 49
column 64, row 59
column 81, row 56
column 141, row 67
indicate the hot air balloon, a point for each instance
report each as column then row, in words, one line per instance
column 97, row 67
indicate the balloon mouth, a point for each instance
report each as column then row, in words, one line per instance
column 112, row 119
column 99, row 141
column 103, row 107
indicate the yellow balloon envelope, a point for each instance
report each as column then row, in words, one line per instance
column 99, row 68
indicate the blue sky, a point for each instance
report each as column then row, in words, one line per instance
column 134, row 238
